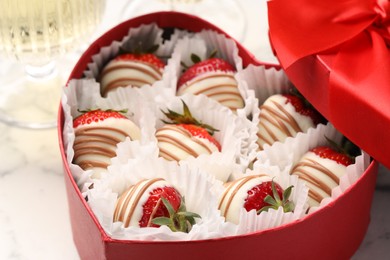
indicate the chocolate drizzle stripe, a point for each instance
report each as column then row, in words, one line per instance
column 81, row 140
column 277, row 119
column 165, row 137
column 153, row 213
column 272, row 137
column 169, row 156
column 280, row 118
column 88, row 164
column 94, row 149
column 104, row 138
column 288, row 117
column 234, row 189
column 302, row 170
column 119, row 204
column 308, row 177
column 87, row 143
column 175, row 142
column 210, row 76
column 147, row 69
column 213, row 90
column 124, row 82
column 138, row 197
column 233, row 96
column 97, row 131
column 315, row 196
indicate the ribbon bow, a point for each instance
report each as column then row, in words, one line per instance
column 357, row 35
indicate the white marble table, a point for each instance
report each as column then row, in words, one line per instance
column 34, row 220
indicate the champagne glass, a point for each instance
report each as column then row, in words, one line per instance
column 36, row 33
column 229, row 15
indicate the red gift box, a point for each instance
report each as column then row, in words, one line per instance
column 333, row 232
column 337, row 53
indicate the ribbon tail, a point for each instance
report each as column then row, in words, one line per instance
column 360, row 96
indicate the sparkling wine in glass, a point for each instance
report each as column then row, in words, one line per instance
column 36, row 33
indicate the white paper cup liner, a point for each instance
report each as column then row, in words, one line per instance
column 265, row 82
column 103, row 197
column 84, row 95
column 251, row 221
column 285, row 155
column 262, row 83
column 149, row 35
column 210, row 112
column 203, row 44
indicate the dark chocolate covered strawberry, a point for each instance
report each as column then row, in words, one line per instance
column 255, row 192
column 153, row 203
column 184, row 136
column 213, row 77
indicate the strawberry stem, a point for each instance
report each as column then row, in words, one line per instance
column 275, row 201
column 195, row 58
column 186, row 118
column 122, row 111
column 180, row 221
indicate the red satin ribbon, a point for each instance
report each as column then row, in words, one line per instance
column 358, row 32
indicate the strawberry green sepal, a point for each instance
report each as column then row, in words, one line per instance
column 186, row 118
column 275, row 201
column 122, row 111
column 196, row 59
column 180, row 221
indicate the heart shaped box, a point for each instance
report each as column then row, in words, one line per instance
column 333, row 232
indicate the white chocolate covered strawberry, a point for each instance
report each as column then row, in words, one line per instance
column 97, row 133
column 258, row 192
column 135, row 70
column 152, row 203
column 321, row 168
column 214, row 78
column 184, row 136
column 284, row 115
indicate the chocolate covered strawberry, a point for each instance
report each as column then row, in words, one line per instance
column 153, row 203
column 213, row 77
column 255, row 192
column 97, row 132
column 184, row 136
column 133, row 69
column 321, row 168
column 285, row 115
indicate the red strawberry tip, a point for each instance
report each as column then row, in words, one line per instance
column 205, row 66
column 344, row 153
column 96, row 115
